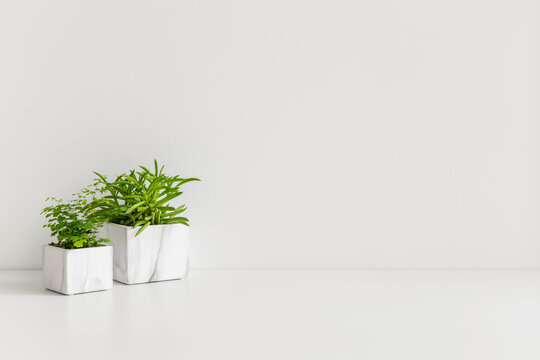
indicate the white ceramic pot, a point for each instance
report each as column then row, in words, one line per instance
column 160, row 252
column 75, row 271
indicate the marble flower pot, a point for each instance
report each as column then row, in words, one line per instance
column 160, row 252
column 75, row 271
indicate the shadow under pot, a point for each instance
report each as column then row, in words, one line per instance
column 158, row 253
column 76, row 271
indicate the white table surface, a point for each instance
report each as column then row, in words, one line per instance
column 279, row 315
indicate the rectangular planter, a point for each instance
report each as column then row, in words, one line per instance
column 160, row 252
column 75, row 271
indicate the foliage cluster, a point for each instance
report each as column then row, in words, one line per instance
column 72, row 222
column 140, row 198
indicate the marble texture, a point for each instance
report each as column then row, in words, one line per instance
column 160, row 252
column 77, row 271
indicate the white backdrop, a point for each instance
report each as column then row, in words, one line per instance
column 328, row 134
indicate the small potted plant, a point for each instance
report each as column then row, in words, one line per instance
column 149, row 238
column 79, row 261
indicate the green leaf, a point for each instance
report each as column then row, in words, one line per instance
column 79, row 243
column 168, row 198
column 184, row 181
column 181, row 209
column 145, row 169
column 142, row 229
column 177, row 220
column 103, row 178
column 134, row 206
column 139, row 223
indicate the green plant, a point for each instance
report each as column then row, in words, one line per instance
column 73, row 223
column 141, row 198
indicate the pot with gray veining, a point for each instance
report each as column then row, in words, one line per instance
column 76, row 271
column 160, row 252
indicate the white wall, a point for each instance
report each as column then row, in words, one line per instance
column 329, row 134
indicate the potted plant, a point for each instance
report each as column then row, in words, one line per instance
column 78, row 261
column 149, row 238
